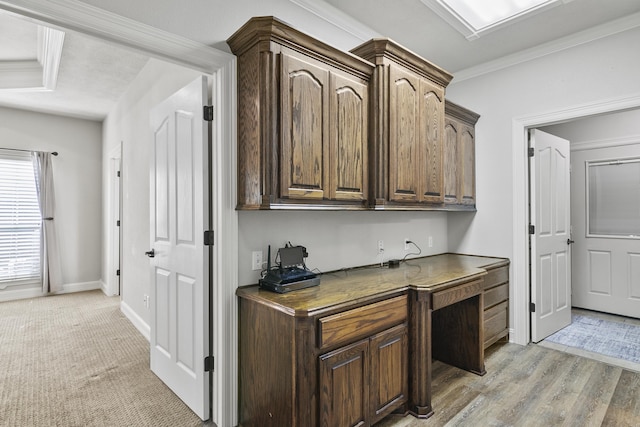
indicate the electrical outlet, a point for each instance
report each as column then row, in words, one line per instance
column 380, row 246
column 406, row 244
column 430, row 241
column 256, row 260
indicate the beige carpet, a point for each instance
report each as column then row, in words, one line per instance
column 75, row 360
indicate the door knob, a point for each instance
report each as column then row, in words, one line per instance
column 569, row 241
column 151, row 253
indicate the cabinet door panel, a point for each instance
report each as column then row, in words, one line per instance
column 404, row 138
column 451, row 167
column 344, row 386
column 389, row 371
column 348, row 148
column 305, row 127
column 467, row 142
column 431, row 133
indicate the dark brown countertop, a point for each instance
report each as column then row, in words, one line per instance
column 350, row 287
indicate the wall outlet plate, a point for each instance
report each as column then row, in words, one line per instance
column 256, row 260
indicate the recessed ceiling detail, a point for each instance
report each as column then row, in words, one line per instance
column 474, row 18
column 20, row 71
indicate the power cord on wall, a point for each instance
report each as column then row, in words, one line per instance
column 412, row 253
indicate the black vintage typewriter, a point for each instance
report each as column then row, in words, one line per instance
column 291, row 273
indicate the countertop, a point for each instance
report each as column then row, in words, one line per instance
column 362, row 284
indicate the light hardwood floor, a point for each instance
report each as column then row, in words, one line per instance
column 531, row 386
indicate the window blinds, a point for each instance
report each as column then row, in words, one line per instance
column 20, row 220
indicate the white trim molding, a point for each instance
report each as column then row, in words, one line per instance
column 69, row 288
column 520, row 274
column 605, row 143
column 93, row 21
column 39, row 74
column 598, row 32
column 137, row 321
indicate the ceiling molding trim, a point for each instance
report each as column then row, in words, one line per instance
column 50, row 44
column 20, row 76
column 337, row 18
column 598, row 32
column 605, row 143
column 93, row 21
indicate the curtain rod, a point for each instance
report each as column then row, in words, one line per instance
column 53, row 153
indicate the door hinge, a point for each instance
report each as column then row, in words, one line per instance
column 532, row 152
column 532, row 229
column 208, row 364
column 208, row 113
column 532, row 307
column 208, row 238
column 118, row 174
column 117, row 272
column 118, row 223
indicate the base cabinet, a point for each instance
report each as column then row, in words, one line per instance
column 363, row 382
column 496, row 305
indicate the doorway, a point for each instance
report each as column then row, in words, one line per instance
column 607, row 134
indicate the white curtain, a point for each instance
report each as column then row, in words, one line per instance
column 51, row 270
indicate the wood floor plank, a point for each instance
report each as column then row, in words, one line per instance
column 624, row 408
column 531, row 386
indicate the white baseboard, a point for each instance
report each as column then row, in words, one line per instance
column 79, row 287
column 36, row 292
column 10, row 295
column 136, row 320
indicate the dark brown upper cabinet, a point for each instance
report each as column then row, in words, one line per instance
column 406, row 127
column 303, row 111
column 460, row 157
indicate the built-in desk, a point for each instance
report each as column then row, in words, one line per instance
column 359, row 346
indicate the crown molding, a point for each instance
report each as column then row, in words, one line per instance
column 50, row 44
column 605, row 143
column 598, row 32
column 337, row 18
column 93, row 21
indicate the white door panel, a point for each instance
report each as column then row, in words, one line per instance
column 550, row 251
column 179, row 288
column 606, row 269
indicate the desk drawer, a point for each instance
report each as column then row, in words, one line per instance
column 496, row 276
column 496, row 323
column 495, row 295
column 361, row 322
column 455, row 294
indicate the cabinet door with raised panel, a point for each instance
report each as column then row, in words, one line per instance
column 404, row 135
column 304, row 157
column 348, row 139
column 431, row 134
column 389, row 371
column 468, row 161
column 344, row 386
column 452, row 163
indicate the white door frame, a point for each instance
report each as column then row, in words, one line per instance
column 519, row 295
column 104, row 25
column 113, row 231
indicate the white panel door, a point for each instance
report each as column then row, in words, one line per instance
column 550, row 247
column 179, row 262
column 606, row 258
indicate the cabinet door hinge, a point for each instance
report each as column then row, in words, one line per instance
column 532, row 229
column 208, row 238
column 208, row 364
column 532, row 307
column 532, row 152
column 208, row 113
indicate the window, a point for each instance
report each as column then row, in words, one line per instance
column 20, row 220
column 613, row 198
column 473, row 17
